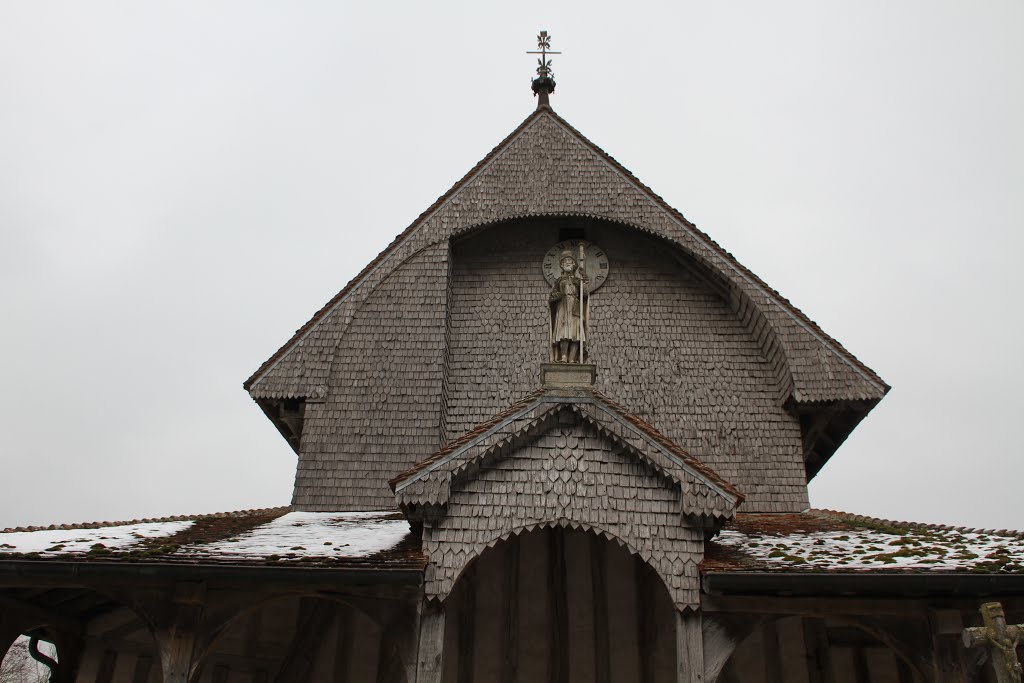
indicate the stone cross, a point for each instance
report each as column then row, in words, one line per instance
column 1002, row 640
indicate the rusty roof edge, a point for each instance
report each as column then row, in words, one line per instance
column 149, row 520
column 866, row 519
column 747, row 275
column 734, row 497
column 442, row 201
column 448, row 457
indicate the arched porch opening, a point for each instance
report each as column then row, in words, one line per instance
column 85, row 633
column 304, row 638
column 559, row 604
column 19, row 666
column 811, row 649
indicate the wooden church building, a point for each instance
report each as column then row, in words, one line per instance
column 553, row 432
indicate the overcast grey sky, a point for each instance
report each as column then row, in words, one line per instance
column 182, row 184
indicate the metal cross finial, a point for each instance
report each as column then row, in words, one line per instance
column 544, row 49
column 1002, row 640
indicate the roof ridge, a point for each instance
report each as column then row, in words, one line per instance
column 147, row 520
column 815, row 329
column 852, row 517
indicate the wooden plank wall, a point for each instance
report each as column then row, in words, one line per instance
column 302, row 640
column 119, row 648
column 290, row 640
column 809, row 650
column 558, row 606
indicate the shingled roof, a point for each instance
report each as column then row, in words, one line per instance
column 828, row 541
column 705, row 492
column 546, row 167
column 273, row 536
column 812, row 542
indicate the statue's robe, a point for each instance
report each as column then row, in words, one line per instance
column 565, row 303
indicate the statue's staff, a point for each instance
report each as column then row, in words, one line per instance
column 581, row 271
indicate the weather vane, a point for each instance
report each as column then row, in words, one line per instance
column 544, row 83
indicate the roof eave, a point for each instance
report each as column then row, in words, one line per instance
column 62, row 572
column 863, row 584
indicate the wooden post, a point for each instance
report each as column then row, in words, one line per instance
column 175, row 644
column 175, row 620
column 599, row 586
column 718, row 646
column 1001, row 640
column 689, row 648
column 430, row 658
column 647, row 627
column 69, row 657
column 510, row 623
column 314, row 619
column 818, row 651
column 947, row 660
column 466, row 619
column 558, row 664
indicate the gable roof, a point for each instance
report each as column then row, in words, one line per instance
column 507, row 184
column 704, row 491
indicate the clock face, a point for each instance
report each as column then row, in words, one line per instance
column 595, row 262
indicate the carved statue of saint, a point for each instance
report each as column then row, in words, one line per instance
column 566, row 267
column 568, row 302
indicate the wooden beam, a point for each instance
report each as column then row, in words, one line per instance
column 818, row 431
column 30, row 615
column 389, row 664
column 599, row 585
column 784, row 606
column 770, row 652
column 125, row 629
column 343, row 645
column 430, row 655
column 176, row 644
column 69, row 656
column 467, row 625
column 510, row 601
column 174, row 614
column 559, row 660
column 861, row 673
column 947, row 659
column 143, row 664
column 817, row 652
column 105, row 674
column 314, row 619
column 689, row 648
column 721, row 634
column 646, row 624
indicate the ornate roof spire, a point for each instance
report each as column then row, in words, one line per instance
column 544, row 82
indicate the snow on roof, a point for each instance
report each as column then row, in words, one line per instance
column 311, row 534
column 54, row 542
column 825, row 540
